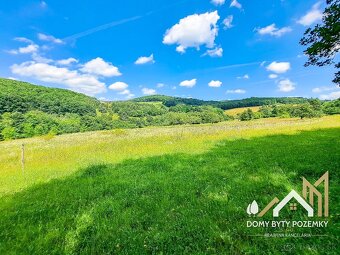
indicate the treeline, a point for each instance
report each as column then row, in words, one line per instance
column 224, row 105
column 17, row 96
column 313, row 108
column 28, row 110
column 14, row 125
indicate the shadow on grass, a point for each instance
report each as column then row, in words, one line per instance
column 176, row 204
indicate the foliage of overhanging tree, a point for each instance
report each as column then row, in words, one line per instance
column 323, row 40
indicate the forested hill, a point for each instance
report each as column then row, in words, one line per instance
column 228, row 104
column 18, row 96
column 28, row 110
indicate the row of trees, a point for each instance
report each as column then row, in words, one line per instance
column 314, row 108
column 224, row 105
column 14, row 125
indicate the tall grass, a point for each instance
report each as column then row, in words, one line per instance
column 178, row 203
column 60, row 156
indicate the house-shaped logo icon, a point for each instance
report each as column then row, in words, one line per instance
column 293, row 194
column 306, row 200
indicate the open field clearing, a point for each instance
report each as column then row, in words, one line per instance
column 173, row 190
column 235, row 111
column 54, row 157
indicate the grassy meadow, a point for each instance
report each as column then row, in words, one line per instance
column 235, row 111
column 165, row 190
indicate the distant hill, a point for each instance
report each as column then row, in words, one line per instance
column 227, row 104
column 18, row 96
column 23, row 97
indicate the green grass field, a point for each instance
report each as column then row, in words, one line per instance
column 167, row 190
column 235, row 111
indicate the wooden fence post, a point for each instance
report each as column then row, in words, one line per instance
column 23, row 158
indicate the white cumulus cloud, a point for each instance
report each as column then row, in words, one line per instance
column 31, row 48
column 122, row 89
column 272, row 76
column 312, row 16
column 124, row 92
column 67, row 61
column 84, row 83
column 216, row 52
column 145, row 60
column 188, row 83
column 147, row 91
column 273, row 30
column 215, row 84
column 98, row 66
column 286, row 85
column 193, row 31
column 278, row 67
column 49, row 38
column 332, row 96
column 119, row 85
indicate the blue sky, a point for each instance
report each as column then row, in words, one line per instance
column 207, row 49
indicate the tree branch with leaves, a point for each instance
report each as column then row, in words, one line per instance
column 323, row 40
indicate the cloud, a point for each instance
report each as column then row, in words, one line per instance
column 49, row 38
column 160, row 85
column 312, row 16
column 193, row 31
column 215, row 84
column 67, row 61
column 286, row 85
column 41, row 59
column 130, row 96
column 217, row 52
column 278, row 67
column 121, row 88
column 235, row 4
column 98, row 66
column 119, row 85
column 127, row 93
column 227, row 22
column 43, row 4
column 272, row 76
column 145, row 60
column 188, row 83
column 124, row 92
column 147, row 91
column 24, row 40
column 236, row 91
column 332, row 96
column 218, row 2
column 323, row 89
column 245, row 77
column 31, row 48
column 83, row 83
column 273, row 30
